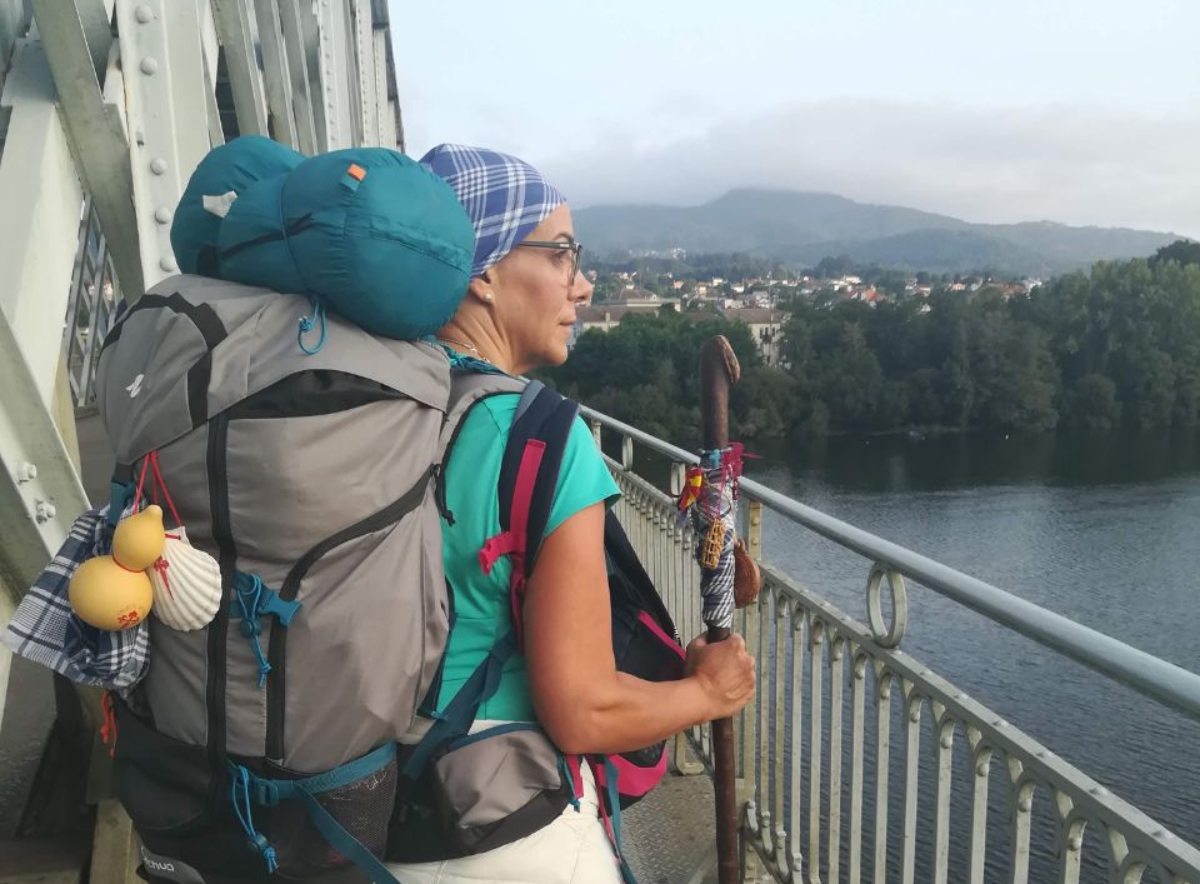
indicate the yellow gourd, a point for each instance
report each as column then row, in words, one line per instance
column 138, row 540
column 114, row 592
column 105, row 595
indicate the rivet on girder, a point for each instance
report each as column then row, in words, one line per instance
column 44, row 512
column 149, row 66
column 143, row 14
column 162, row 215
column 158, row 165
column 168, row 264
column 27, row 472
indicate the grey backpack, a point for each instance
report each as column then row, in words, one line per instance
column 265, row 741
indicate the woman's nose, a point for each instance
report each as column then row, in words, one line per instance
column 582, row 290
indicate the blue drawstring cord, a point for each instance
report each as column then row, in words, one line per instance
column 564, row 771
column 308, row 323
column 240, row 796
column 250, row 627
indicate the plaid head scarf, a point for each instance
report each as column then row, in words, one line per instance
column 505, row 197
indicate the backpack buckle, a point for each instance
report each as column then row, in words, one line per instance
column 266, row 793
column 502, row 544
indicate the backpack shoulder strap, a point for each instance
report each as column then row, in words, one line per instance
column 545, row 421
column 528, row 478
column 468, row 387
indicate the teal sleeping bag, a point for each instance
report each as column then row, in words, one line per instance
column 365, row 232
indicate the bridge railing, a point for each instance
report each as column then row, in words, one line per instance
column 845, row 725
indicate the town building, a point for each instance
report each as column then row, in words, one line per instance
column 766, row 328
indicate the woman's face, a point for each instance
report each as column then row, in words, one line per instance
column 534, row 297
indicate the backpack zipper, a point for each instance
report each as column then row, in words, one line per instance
column 218, row 501
column 443, row 506
column 277, row 646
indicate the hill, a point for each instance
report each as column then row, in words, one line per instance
column 804, row 227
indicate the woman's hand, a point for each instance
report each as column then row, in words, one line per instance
column 725, row 673
column 581, row 699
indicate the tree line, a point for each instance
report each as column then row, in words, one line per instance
column 1116, row 346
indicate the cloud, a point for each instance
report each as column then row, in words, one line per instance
column 992, row 165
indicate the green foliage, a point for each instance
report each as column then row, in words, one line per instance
column 1119, row 345
column 1092, row 404
column 645, row 372
column 1185, row 251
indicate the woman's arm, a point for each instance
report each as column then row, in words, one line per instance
column 581, row 699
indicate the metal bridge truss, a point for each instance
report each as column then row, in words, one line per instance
column 106, row 107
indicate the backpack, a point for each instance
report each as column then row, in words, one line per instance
column 298, row 456
column 465, row 793
column 311, row 479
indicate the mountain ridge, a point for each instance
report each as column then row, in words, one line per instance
column 801, row 227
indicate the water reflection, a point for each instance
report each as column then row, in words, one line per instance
column 1102, row 530
column 902, row 462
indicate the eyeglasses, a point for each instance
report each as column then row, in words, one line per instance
column 558, row 245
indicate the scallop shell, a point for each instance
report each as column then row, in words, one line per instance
column 187, row 584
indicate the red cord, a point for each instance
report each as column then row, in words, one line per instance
column 159, row 483
column 108, row 727
column 137, row 495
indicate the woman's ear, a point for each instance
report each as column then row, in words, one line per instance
column 481, row 288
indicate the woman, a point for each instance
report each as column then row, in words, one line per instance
column 518, row 315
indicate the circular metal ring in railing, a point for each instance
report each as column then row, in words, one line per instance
column 678, row 478
column 887, row 636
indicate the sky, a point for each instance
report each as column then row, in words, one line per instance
column 1078, row 111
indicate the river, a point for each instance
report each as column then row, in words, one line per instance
column 1103, row 530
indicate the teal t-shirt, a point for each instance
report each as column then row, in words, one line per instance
column 481, row 605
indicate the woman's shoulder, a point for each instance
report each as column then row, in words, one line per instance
column 583, row 474
column 501, row 409
column 493, row 417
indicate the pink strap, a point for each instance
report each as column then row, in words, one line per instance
column 650, row 623
column 600, row 776
column 513, row 541
column 527, row 473
column 502, row 544
column 575, row 767
column 638, row 781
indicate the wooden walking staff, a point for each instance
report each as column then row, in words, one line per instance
column 719, row 371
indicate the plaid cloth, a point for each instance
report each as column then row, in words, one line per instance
column 505, row 197
column 716, row 585
column 713, row 501
column 44, row 630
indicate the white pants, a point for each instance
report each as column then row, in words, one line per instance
column 574, row 849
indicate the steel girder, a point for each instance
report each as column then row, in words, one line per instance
column 40, row 491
